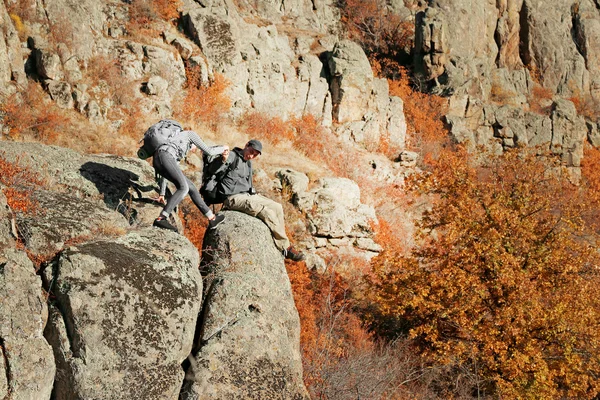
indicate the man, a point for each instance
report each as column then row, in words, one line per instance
column 236, row 187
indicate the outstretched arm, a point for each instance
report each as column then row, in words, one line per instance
column 199, row 143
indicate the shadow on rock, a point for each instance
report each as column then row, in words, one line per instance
column 114, row 183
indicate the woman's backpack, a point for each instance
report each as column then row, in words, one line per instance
column 158, row 135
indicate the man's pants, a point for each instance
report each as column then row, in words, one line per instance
column 265, row 209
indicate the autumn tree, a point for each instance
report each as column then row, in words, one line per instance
column 382, row 34
column 504, row 278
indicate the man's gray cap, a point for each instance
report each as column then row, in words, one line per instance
column 256, row 145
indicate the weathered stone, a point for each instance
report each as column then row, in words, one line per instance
column 156, row 86
column 7, row 236
column 408, row 158
column 11, row 55
column 336, row 210
column 127, row 316
column 295, row 182
column 352, row 77
column 63, row 217
column 48, row 65
column 200, row 63
column 368, row 244
column 315, row 263
column 396, row 123
column 549, row 46
column 61, row 93
column 214, row 34
column 568, row 133
column 593, row 134
column 107, row 178
column 184, row 48
column 27, row 365
column 249, row 346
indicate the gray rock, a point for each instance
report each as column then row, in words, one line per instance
column 125, row 316
column 184, row 48
column 315, row 262
column 27, row 369
column 352, row 77
column 295, row 182
column 62, row 217
column 215, row 35
column 368, row 244
column 48, row 65
column 408, row 158
column 205, row 73
column 396, row 123
column 12, row 68
column 105, row 178
column 61, row 93
column 156, row 86
column 336, row 211
column 249, row 345
column 550, row 47
column 593, row 134
column 568, row 133
column 7, row 236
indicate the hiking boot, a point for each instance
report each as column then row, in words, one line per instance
column 212, row 224
column 292, row 254
column 164, row 224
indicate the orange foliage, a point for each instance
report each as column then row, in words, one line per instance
column 167, row 9
column 424, row 113
column 144, row 14
column 501, row 278
column 586, row 106
column 19, row 181
column 329, row 328
column 32, row 112
column 321, row 145
column 382, row 34
column 540, row 100
column 273, row 129
column 207, row 103
column 194, row 223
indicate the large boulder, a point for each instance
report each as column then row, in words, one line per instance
column 118, row 183
column 249, row 343
column 26, row 362
column 334, row 209
column 59, row 218
column 124, row 316
column 352, row 77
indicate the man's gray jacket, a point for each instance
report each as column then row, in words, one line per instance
column 238, row 178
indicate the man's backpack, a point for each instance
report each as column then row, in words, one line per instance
column 213, row 170
column 158, row 135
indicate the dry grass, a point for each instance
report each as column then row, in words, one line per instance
column 206, row 103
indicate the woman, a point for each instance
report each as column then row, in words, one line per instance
column 166, row 163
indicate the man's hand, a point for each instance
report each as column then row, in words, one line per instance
column 225, row 153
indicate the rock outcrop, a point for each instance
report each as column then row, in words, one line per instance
column 123, row 316
column 27, row 366
column 115, row 305
column 523, row 49
column 248, row 346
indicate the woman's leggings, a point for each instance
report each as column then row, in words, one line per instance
column 166, row 166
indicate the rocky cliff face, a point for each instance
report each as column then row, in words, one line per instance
column 491, row 74
column 114, row 309
column 294, row 51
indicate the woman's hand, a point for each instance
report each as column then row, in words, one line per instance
column 160, row 199
column 225, row 153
